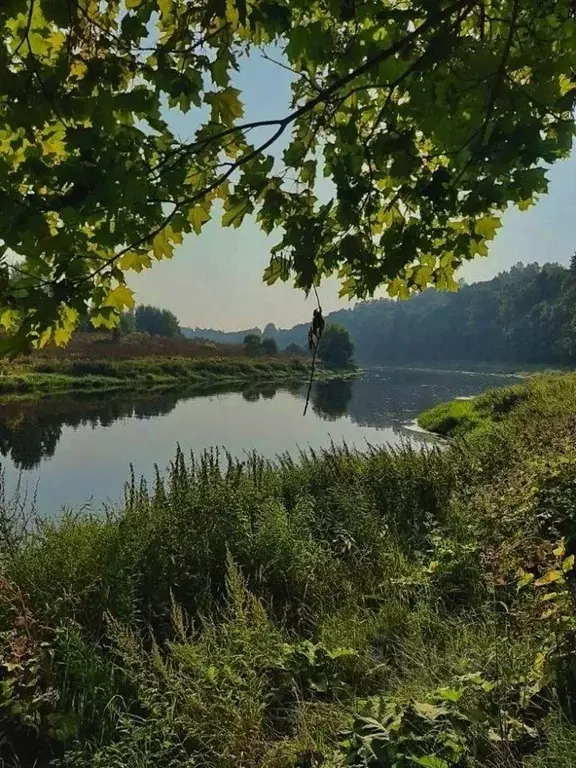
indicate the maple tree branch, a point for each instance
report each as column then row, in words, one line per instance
column 325, row 93
column 24, row 38
column 281, row 126
column 499, row 75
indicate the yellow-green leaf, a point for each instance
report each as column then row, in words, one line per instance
column 278, row 269
column 566, row 84
column 234, row 214
column 445, row 279
column 62, row 335
column 524, row 205
column 135, row 261
column 398, row 287
column 524, row 579
column 347, row 288
column 568, row 564
column 422, row 276
column 52, row 141
column 308, row 172
column 163, row 243
column 133, row 4
column 478, row 247
column 226, row 105
column 560, row 550
column 104, row 321
column 548, row 578
column 198, row 216
column 487, row 227
column 8, row 319
column 120, row 297
column 44, row 339
column 165, row 7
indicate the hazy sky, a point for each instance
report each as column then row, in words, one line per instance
column 214, row 280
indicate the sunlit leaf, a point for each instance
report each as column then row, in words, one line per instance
column 430, row 761
column 487, row 227
column 198, row 216
column 226, row 105
column 235, row 211
column 164, row 242
column 120, row 297
column 135, row 260
column 548, row 578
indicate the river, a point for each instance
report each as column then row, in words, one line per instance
column 76, row 450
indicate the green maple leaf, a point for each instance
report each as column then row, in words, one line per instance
column 198, row 216
column 226, row 105
column 163, row 243
column 487, row 227
column 133, row 260
column 120, row 297
column 235, row 211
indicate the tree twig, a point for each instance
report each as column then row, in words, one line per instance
column 24, row 38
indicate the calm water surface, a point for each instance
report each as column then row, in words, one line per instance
column 77, row 450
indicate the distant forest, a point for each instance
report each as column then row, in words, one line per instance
column 526, row 315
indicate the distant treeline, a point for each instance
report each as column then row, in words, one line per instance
column 526, row 315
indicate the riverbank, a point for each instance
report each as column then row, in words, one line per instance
column 407, row 608
column 472, row 416
column 40, row 378
column 490, row 368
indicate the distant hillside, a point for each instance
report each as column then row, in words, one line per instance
column 220, row 337
column 526, row 315
column 283, row 336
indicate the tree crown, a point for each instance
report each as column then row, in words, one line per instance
column 428, row 117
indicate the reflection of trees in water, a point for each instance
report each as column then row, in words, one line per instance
column 27, row 440
column 385, row 398
column 30, row 431
column 253, row 392
column 392, row 397
column 330, row 399
column 268, row 391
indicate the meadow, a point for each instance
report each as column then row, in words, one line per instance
column 97, row 363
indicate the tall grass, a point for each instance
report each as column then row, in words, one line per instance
column 387, row 608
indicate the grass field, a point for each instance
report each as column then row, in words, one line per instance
column 372, row 610
column 94, row 363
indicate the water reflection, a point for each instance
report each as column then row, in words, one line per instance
column 331, row 399
column 30, row 431
column 384, row 399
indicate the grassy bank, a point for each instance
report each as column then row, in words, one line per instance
column 389, row 609
column 38, row 377
column 545, row 394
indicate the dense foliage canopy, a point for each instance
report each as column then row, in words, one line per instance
column 256, row 345
column 428, row 117
column 336, row 349
column 156, row 321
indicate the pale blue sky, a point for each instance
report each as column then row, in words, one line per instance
column 215, row 279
